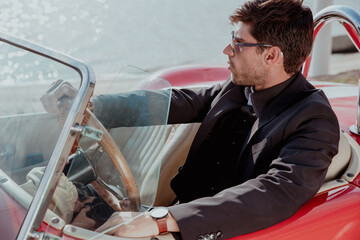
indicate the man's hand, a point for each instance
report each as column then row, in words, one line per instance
column 58, row 99
column 141, row 225
column 53, row 99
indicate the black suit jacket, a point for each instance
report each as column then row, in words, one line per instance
column 281, row 166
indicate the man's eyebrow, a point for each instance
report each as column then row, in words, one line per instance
column 239, row 39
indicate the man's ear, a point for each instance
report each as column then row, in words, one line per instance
column 273, row 55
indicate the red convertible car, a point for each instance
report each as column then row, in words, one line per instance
column 56, row 174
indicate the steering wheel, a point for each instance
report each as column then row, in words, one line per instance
column 117, row 158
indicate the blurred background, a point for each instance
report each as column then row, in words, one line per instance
column 150, row 34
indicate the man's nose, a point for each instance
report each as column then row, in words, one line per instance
column 228, row 50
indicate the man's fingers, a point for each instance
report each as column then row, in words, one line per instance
column 69, row 90
column 116, row 219
column 64, row 89
column 45, row 103
column 54, row 85
column 58, row 97
column 111, row 222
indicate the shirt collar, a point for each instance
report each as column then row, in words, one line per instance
column 259, row 99
column 249, row 90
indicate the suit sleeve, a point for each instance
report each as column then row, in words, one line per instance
column 189, row 105
column 144, row 108
column 293, row 178
column 130, row 109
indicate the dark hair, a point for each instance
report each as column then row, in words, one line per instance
column 283, row 23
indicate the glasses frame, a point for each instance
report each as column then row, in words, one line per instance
column 244, row 44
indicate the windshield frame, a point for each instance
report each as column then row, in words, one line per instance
column 47, row 185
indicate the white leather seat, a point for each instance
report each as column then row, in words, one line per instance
column 340, row 160
column 178, row 140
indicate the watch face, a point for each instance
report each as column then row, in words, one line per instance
column 159, row 212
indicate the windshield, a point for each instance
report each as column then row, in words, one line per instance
column 96, row 180
column 28, row 134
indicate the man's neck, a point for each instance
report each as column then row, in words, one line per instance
column 274, row 78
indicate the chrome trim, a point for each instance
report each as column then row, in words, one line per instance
column 350, row 20
column 48, row 183
column 88, row 132
column 358, row 112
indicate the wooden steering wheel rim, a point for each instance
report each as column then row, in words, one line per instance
column 108, row 144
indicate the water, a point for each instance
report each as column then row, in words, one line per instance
column 110, row 34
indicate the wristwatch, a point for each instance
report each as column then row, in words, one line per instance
column 159, row 214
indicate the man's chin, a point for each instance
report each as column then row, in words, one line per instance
column 235, row 79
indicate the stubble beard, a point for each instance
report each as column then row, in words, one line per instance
column 249, row 77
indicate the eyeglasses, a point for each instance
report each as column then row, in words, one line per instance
column 243, row 44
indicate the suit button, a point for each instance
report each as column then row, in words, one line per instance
column 219, row 234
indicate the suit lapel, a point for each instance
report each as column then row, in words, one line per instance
column 278, row 105
column 232, row 97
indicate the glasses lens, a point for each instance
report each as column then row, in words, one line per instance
column 232, row 40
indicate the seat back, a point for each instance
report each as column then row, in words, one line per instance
column 341, row 160
column 179, row 141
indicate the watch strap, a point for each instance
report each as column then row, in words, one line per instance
column 162, row 225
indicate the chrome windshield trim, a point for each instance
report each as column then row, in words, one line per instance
column 346, row 16
column 65, row 141
column 350, row 20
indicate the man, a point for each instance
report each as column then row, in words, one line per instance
column 266, row 138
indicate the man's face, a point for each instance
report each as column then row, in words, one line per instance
column 245, row 63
